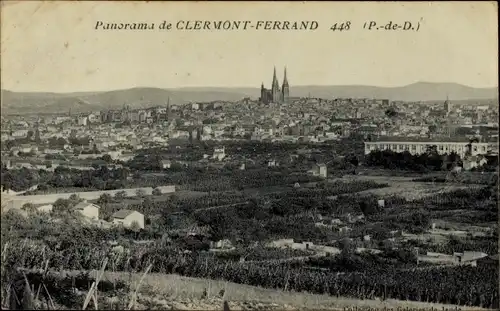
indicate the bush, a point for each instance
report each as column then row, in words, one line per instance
column 140, row 193
column 120, row 195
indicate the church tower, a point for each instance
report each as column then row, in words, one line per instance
column 276, row 89
column 263, row 93
column 285, row 89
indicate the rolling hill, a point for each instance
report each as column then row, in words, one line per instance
column 140, row 97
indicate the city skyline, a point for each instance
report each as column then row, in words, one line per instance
column 77, row 58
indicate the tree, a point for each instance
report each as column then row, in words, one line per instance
column 140, row 193
column 352, row 159
column 105, row 198
column 431, row 149
column 107, row 158
column 387, row 245
column 347, row 246
column 75, row 199
column 42, row 187
column 391, row 112
column 28, row 207
column 120, row 195
column 134, row 226
column 368, row 208
column 62, row 205
column 379, row 232
column 156, row 191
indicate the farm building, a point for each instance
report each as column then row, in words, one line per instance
column 219, row 154
column 319, row 170
column 88, row 210
column 302, row 245
column 469, row 258
column 281, row 243
column 128, row 217
column 345, row 230
column 222, row 244
column 465, row 258
column 166, row 163
column 47, row 208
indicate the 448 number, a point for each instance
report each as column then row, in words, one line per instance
column 341, row 26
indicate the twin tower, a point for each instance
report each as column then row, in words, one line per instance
column 275, row 94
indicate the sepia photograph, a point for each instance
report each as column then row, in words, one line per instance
column 249, row 155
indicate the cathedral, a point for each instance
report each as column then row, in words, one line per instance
column 275, row 94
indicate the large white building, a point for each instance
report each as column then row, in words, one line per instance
column 420, row 147
column 88, row 210
column 127, row 218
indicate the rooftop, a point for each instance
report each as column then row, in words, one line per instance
column 122, row 214
column 82, row 205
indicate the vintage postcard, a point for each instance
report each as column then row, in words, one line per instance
column 249, row 155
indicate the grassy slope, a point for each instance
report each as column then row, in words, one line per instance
column 186, row 293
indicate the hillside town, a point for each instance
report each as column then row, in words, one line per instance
column 119, row 133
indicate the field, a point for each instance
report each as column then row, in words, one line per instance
column 184, row 273
column 407, row 188
column 174, row 292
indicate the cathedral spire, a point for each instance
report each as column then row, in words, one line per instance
column 275, row 85
column 285, row 89
column 285, row 80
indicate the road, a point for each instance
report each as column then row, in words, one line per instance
column 222, row 206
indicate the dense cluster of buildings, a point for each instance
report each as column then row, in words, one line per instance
column 466, row 128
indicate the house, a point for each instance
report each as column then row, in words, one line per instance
column 396, row 233
column 321, row 225
column 88, row 210
column 128, row 217
column 45, row 208
column 303, row 245
column 272, row 163
column 473, row 162
column 345, row 229
column 359, row 218
column 336, row 221
column 281, row 243
column 319, row 170
column 222, row 244
column 465, row 258
column 469, row 258
column 166, row 163
column 219, row 154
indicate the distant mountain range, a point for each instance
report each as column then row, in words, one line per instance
column 142, row 97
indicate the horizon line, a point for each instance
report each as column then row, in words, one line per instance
column 243, row 87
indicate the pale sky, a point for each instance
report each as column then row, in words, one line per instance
column 53, row 46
